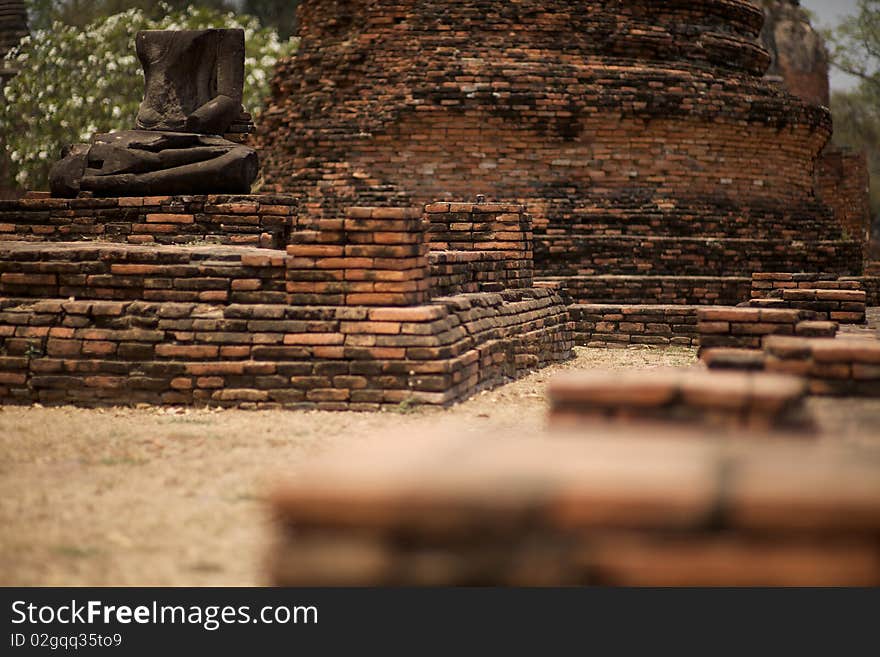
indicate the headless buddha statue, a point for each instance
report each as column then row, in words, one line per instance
column 192, row 95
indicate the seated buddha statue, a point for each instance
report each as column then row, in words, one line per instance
column 193, row 82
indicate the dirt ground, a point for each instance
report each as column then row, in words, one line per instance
column 146, row 497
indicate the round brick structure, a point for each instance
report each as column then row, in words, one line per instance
column 612, row 120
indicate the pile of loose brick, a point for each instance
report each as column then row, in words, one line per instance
column 564, row 508
column 348, row 316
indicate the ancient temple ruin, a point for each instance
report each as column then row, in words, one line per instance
column 453, row 193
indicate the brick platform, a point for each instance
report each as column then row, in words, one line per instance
column 612, row 509
column 341, row 319
column 680, row 397
column 253, row 220
column 842, row 366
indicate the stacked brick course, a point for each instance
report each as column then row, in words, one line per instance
column 621, row 508
column 96, row 270
column 844, row 186
column 372, row 257
column 252, row 220
column 633, row 289
column 483, row 237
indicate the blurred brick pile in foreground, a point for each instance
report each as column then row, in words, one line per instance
column 589, row 506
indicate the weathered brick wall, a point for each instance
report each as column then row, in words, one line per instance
column 458, row 272
column 575, row 255
column 253, row 220
column 500, row 235
column 615, row 325
column 606, row 121
column 267, row 356
column 771, row 284
column 843, row 184
column 871, row 285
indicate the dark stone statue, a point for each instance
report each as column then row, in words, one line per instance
column 192, row 96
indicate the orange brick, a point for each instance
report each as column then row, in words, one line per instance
column 162, row 218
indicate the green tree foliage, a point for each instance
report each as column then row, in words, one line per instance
column 278, row 14
column 855, row 49
column 74, row 82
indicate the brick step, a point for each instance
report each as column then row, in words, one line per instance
column 837, row 298
column 686, row 290
column 128, row 272
column 459, row 272
column 619, row 325
column 575, row 255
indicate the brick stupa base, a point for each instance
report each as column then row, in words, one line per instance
column 189, row 300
